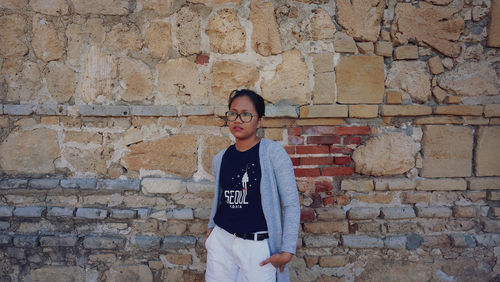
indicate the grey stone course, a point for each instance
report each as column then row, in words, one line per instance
column 44, row 183
column 118, row 213
column 198, row 110
column 26, row 241
column 143, row 212
column 488, row 239
column 202, row 213
column 6, row 211
column 316, row 241
column 154, row 110
column 102, row 111
column 91, row 213
column 5, row 239
column 51, row 109
column 397, row 213
column 178, row 242
column 413, row 241
column 4, row 225
column 199, row 187
column 17, row 253
column 1, row 109
column 28, row 211
column 363, row 213
column 60, row 211
column 13, row 183
column 395, row 242
column 434, row 212
column 359, row 242
column 146, row 242
column 79, row 183
column 463, row 240
column 18, row 110
column 184, row 213
column 119, row 185
column 282, row 111
column 59, row 241
column 103, row 242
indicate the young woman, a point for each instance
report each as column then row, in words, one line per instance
column 255, row 214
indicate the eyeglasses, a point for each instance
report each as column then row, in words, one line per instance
column 244, row 117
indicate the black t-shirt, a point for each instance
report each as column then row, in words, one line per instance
column 241, row 207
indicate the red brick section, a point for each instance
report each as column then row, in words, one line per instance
column 323, row 186
column 348, row 140
column 320, row 149
column 319, row 130
column 294, row 131
column 333, row 139
column 307, row 214
column 295, row 161
column 342, row 160
column 202, row 59
column 337, row 171
column 290, row 149
column 295, row 140
column 316, row 161
column 306, row 172
column 353, row 130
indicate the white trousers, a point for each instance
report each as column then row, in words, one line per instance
column 230, row 258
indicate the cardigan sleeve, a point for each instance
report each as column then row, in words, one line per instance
column 287, row 188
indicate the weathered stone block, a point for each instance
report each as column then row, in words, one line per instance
column 363, row 213
column 361, row 242
column 344, row 43
column 26, row 241
column 103, row 242
column 487, row 152
column 321, row 227
column 357, row 185
column 119, row 184
column 12, row 28
column 494, row 25
column 13, row 183
column 433, row 212
column 395, row 242
column 44, row 183
column 492, row 110
column 397, row 212
column 91, row 213
column 463, row 240
column 383, row 48
column 435, row 65
column 410, row 77
column 146, row 243
column 485, row 183
column 360, row 79
column 369, row 158
column 82, row 183
column 406, row 52
column 361, row 19
column 331, row 214
column 45, row 41
column 436, row 241
column 135, row 80
column 467, row 211
column 459, row 110
column 163, row 185
column 471, row 79
column 184, row 214
column 447, row 151
column 225, row 32
column 265, row 34
column 106, row 7
column 292, row 74
column 333, row 261
column 5, row 240
column 394, row 184
column 100, row 110
column 415, row 198
column 317, row 111
column 63, row 273
column 58, row 241
column 28, row 211
column 4, row 225
column 405, row 110
column 324, row 88
column 323, row 62
column 121, row 214
column 441, row 184
column 153, row 110
column 363, row 111
column 60, row 211
column 178, row 242
column 413, row 241
column 320, row 241
column 6, row 211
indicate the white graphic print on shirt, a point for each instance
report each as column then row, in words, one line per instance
column 236, row 198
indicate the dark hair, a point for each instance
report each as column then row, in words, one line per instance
column 257, row 100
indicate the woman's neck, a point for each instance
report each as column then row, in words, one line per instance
column 245, row 144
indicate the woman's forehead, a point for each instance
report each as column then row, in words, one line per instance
column 242, row 103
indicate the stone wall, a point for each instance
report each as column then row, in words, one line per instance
column 110, row 114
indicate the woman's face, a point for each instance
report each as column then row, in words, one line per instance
column 243, row 130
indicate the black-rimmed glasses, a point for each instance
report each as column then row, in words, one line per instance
column 244, row 117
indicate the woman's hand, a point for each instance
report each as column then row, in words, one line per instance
column 208, row 234
column 278, row 260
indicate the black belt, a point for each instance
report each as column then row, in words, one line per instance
column 251, row 236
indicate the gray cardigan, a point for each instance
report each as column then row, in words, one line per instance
column 278, row 191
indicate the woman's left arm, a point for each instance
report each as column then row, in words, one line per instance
column 287, row 188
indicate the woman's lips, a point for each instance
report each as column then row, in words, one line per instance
column 237, row 128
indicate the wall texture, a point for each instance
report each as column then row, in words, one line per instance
column 110, row 116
